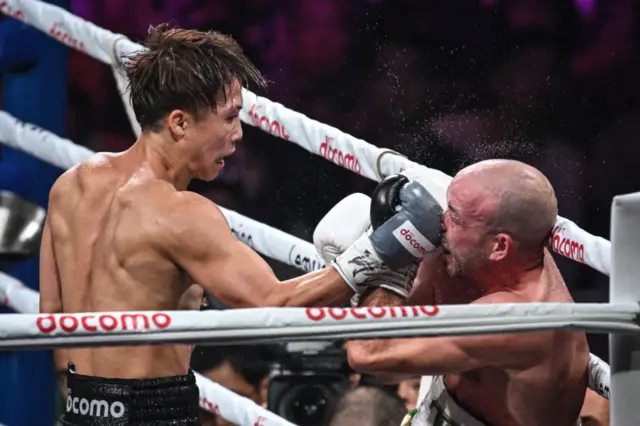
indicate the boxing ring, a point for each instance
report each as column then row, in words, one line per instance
column 28, row 329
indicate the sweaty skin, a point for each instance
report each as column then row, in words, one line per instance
column 549, row 390
column 530, row 379
column 122, row 234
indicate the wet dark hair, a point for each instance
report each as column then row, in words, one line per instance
column 185, row 69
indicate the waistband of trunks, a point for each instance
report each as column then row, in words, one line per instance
column 110, row 401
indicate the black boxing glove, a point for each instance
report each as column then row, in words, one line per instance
column 406, row 219
column 406, row 224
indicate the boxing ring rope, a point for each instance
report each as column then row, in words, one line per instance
column 269, row 325
column 568, row 239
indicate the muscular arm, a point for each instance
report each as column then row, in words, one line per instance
column 200, row 241
column 422, row 291
column 444, row 355
column 50, row 297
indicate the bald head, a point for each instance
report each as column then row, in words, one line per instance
column 368, row 406
column 518, row 199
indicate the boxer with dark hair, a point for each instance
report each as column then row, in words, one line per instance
column 123, row 234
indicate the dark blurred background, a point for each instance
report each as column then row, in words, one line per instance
column 447, row 83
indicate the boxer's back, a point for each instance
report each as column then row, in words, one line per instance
column 549, row 393
column 103, row 217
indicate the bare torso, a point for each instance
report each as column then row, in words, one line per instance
column 103, row 218
column 550, row 393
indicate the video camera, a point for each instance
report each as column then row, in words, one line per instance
column 306, row 378
column 307, row 381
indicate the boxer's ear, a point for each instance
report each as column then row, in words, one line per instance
column 502, row 244
column 177, row 122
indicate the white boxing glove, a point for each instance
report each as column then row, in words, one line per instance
column 434, row 181
column 342, row 226
column 599, row 376
column 341, row 239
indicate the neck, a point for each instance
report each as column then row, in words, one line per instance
column 165, row 158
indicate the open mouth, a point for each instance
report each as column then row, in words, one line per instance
column 220, row 160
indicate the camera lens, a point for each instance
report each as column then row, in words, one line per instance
column 305, row 399
column 307, row 405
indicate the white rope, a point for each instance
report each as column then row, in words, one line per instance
column 234, row 408
column 213, row 397
column 17, row 296
column 65, row 154
column 267, row 325
column 122, row 84
column 24, row 300
column 318, row 138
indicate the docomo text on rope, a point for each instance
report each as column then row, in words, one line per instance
column 48, row 324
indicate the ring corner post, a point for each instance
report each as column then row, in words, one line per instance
column 35, row 85
column 625, row 270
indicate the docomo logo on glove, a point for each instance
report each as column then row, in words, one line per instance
column 412, row 240
column 374, row 312
column 94, row 407
column 102, row 322
column 335, row 155
column 262, row 121
column 566, row 246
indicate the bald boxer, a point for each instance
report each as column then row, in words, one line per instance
column 123, row 234
column 499, row 217
column 595, row 410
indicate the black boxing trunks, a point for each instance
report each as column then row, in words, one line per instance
column 163, row 401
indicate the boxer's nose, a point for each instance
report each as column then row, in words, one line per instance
column 445, row 218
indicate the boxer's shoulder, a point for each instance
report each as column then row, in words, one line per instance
column 192, row 205
column 96, row 171
column 187, row 218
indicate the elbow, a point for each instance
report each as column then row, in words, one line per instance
column 361, row 358
column 366, row 361
column 252, row 299
column 273, row 299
